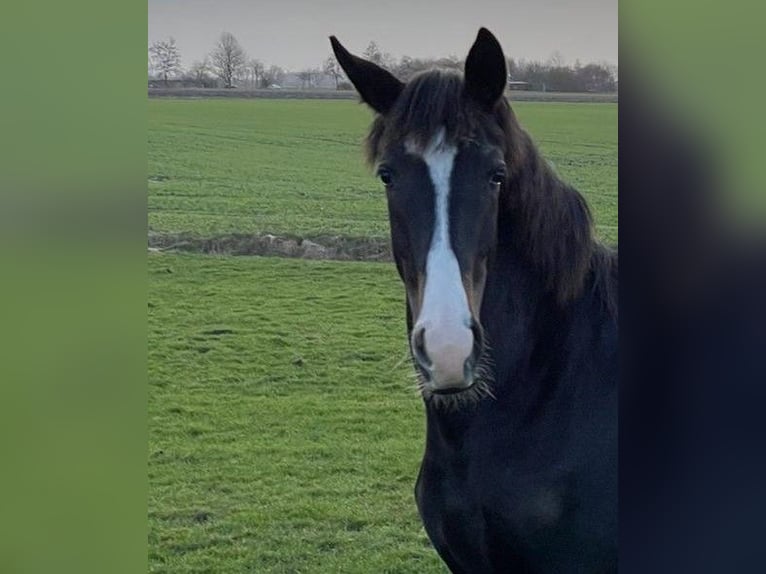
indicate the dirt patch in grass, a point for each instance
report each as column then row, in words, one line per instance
column 332, row 247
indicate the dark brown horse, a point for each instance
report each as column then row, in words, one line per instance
column 511, row 319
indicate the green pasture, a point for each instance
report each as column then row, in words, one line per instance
column 296, row 166
column 285, row 434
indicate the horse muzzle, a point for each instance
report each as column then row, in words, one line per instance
column 447, row 354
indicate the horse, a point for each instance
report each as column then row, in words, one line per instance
column 511, row 322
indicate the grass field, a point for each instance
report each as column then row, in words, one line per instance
column 284, row 166
column 284, row 435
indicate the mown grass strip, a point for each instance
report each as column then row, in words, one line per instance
column 291, row 167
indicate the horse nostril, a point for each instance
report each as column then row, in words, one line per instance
column 419, row 348
column 478, row 338
column 469, row 366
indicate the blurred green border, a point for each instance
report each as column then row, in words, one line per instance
column 73, row 292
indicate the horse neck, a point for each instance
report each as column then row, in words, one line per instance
column 537, row 274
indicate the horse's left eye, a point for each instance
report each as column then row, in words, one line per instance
column 385, row 176
column 498, row 177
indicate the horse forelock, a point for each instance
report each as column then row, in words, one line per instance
column 433, row 102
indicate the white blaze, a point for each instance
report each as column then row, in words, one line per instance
column 444, row 314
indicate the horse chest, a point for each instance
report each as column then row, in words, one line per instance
column 486, row 509
column 482, row 518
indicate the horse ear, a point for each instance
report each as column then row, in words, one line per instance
column 378, row 87
column 486, row 74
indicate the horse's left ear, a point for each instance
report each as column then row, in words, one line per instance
column 485, row 73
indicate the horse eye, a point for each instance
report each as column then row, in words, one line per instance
column 497, row 177
column 385, row 176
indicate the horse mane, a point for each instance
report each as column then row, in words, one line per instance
column 551, row 222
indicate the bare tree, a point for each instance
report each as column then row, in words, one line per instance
column 316, row 77
column 228, row 59
column 596, row 78
column 451, row 62
column 372, row 52
column 382, row 59
column 408, row 66
column 307, row 77
column 332, row 68
column 556, row 60
column 273, row 76
column 201, row 72
column 303, row 76
column 164, row 58
column 513, row 68
column 256, row 69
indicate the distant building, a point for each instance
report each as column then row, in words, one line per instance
column 518, row 85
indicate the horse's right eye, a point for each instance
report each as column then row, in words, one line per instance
column 498, row 177
column 385, row 176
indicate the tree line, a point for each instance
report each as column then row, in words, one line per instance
column 228, row 65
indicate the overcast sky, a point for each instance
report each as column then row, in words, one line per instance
column 293, row 33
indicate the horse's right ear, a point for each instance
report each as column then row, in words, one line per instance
column 486, row 76
column 378, row 87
